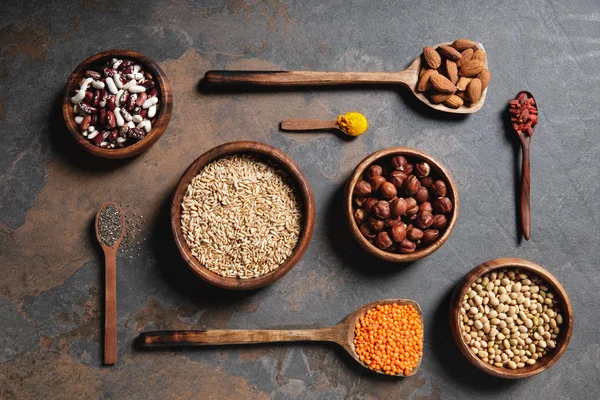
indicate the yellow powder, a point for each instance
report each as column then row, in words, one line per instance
column 352, row 123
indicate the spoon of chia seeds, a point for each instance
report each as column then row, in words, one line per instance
column 109, row 232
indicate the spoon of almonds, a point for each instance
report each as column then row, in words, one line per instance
column 433, row 77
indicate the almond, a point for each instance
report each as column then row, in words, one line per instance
column 484, row 77
column 432, row 57
column 424, row 81
column 471, row 68
column 437, row 98
column 462, row 83
column 442, row 84
column 449, row 52
column 466, row 56
column 452, row 71
column 463, row 44
column 479, row 55
column 474, row 90
column 454, row 101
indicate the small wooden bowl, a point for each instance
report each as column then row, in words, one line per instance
column 162, row 118
column 566, row 310
column 304, row 191
column 436, row 168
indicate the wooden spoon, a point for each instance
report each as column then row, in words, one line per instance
column 524, row 198
column 110, row 297
column 408, row 78
column 342, row 334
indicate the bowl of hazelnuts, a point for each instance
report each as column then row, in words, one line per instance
column 401, row 204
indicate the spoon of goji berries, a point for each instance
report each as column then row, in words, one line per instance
column 524, row 117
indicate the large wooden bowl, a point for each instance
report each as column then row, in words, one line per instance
column 550, row 358
column 304, row 191
column 436, row 168
column 162, row 117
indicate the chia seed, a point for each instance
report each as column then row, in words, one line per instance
column 110, row 225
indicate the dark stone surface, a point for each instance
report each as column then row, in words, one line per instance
column 51, row 286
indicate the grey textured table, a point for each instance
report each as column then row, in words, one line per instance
column 51, row 270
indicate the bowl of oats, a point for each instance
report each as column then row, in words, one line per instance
column 242, row 215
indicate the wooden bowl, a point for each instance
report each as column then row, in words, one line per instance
column 550, row 358
column 304, row 192
column 162, row 117
column 436, row 168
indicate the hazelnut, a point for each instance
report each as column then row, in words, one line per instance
column 426, row 207
column 376, row 182
column 414, row 234
column 442, row 205
column 372, row 171
column 399, row 162
column 388, row 191
column 376, row 225
column 397, row 178
column 438, row 188
column 362, row 189
column 389, row 223
column 424, row 219
column 408, row 169
column 382, row 209
column 422, row 169
column 439, row 221
column 398, row 206
column 383, row 240
column 366, row 231
column 427, row 181
column 411, row 206
column 411, row 185
column 360, row 216
column 430, row 236
column 398, row 233
column 422, row 195
column 370, row 203
column 406, row 246
column 360, row 201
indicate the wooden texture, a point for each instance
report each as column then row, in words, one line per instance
column 436, row 168
column 304, row 192
column 566, row 310
column 524, row 198
column 407, row 77
column 110, row 296
column 342, row 334
column 163, row 115
column 308, row 124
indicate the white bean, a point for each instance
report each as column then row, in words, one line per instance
column 93, row 134
column 138, row 118
column 110, row 84
column 119, row 117
column 78, row 119
column 136, row 89
column 153, row 100
column 118, row 97
column 152, row 110
column 117, row 80
column 129, row 84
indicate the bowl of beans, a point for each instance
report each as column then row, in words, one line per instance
column 117, row 103
column 401, row 204
column 242, row 215
column 511, row 318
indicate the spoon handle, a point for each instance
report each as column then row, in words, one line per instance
column 110, row 307
column 226, row 336
column 525, row 185
column 305, row 78
column 307, row 124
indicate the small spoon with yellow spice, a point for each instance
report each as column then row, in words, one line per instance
column 351, row 124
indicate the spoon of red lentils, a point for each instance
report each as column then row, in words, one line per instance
column 385, row 336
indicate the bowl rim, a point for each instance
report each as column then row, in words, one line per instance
column 162, row 119
column 304, row 191
column 436, row 166
column 566, row 308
